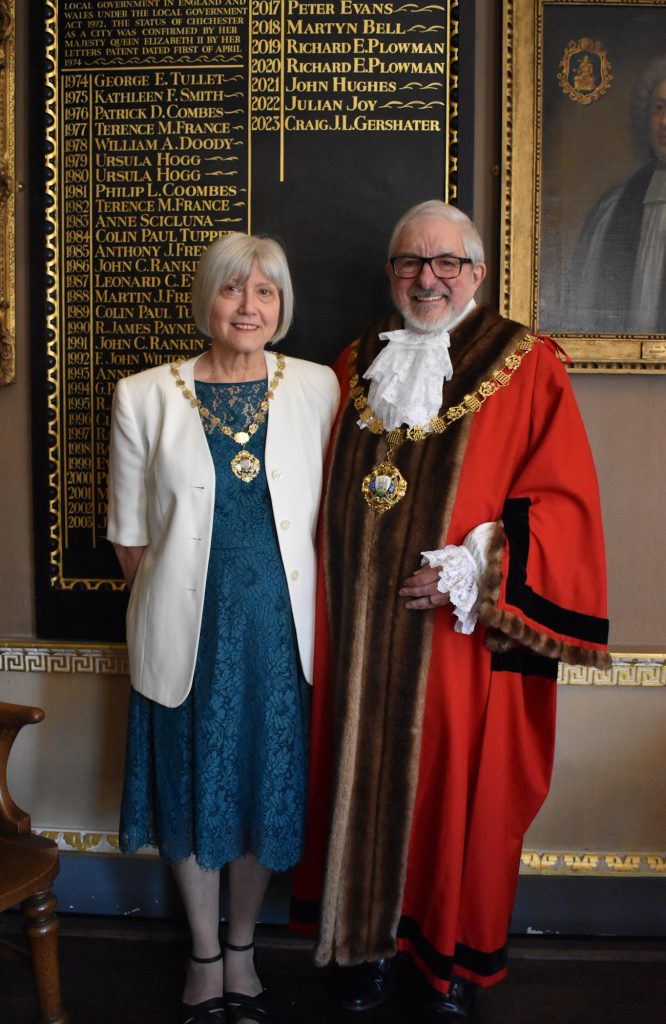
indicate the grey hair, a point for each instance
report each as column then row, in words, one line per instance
column 654, row 73
column 233, row 256
column 471, row 238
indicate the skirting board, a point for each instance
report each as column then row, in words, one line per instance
column 143, row 887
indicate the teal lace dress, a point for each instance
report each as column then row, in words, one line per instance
column 224, row 773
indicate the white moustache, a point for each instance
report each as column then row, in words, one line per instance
column 429, row 293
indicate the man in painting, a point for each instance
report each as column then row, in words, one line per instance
column 619, row 264
column 461, row 558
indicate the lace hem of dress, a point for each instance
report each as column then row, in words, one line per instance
column 134, row 844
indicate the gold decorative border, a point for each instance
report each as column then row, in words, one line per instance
column 52, row 243
column 7, row 194
column 61, row 657
column 637, row 669
column 78, row 841
column 451, row 133
column 532, row 862
column 626, row 670
column 523, row 39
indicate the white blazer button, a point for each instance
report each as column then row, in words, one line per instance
column 294, row 574
column 276, row 474
column 284, row 524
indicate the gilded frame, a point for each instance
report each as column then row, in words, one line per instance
column 7, row 193
column 548, row 142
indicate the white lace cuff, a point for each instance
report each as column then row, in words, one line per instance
column 461, row 568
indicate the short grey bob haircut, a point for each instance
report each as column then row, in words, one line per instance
column 471, row 238
column 233, row 256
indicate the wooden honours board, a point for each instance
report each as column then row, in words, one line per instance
column 157, row 126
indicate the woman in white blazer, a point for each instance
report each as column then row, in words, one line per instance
column 215, row 480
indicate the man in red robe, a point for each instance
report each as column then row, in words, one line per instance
column 461, row 559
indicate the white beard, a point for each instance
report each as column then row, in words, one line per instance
column 448, row 317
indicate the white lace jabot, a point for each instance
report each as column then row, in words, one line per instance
column 407, row 376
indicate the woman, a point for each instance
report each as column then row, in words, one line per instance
column 215, row 478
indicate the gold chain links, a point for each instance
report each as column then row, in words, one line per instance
column 240, row 436
column 438, row 424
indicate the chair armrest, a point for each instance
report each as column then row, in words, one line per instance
column 12, row 719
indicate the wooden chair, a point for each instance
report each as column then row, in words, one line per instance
column 28, row 867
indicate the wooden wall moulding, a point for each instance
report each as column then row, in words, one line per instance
column 7, row 193
column 584, row 178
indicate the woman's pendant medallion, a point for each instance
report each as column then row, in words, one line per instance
column 383, row 487
column 245, row 466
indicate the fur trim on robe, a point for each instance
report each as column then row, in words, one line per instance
column 505, row 629
column 383, row 660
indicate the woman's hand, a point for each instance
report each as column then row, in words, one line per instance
column 129, row 559
column 421, row 590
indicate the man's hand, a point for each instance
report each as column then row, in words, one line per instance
column 421, row 590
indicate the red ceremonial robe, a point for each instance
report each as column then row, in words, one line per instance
column 431, row 751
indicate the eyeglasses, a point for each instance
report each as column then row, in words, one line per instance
column 444, row 267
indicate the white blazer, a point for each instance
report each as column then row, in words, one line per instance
column 161, row 495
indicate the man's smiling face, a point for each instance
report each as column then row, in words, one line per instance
column 426, row 302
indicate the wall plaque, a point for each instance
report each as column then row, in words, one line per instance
column 157, row 127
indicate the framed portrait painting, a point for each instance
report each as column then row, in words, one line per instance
column 584, row 178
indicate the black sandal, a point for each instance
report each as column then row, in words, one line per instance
column 240, row 1006
column 211, row 1011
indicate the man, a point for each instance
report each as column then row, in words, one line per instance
column 458, row 444
column 618, row 270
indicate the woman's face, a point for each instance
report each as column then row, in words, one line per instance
column 244, row 316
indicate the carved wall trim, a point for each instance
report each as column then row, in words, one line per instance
column 579, row 863
column 78, row 841
column 628, row 668
column 533, row 862
column 58, row 658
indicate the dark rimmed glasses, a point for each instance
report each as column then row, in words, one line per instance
column 445, row 267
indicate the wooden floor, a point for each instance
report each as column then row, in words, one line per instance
column 121, row 971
